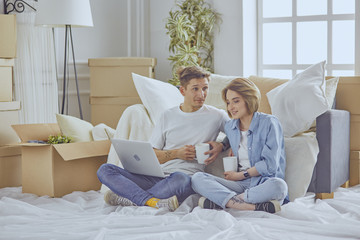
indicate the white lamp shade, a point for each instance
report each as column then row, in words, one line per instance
column 59, row 13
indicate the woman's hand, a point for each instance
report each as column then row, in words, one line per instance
column 215, row 149
column 234, row 176
column 231, row 153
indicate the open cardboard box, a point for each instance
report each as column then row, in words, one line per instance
column 58, row 169
column 9, row 115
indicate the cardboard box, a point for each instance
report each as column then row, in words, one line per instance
column 6, row 79
column 111, row 77
column 7, row 36
column 9, row 115
column 354, row 168
column 348, row 98
column 354, row 132
column 112, row 88
column 347, row 94
column 10, row 166
column 108, row 110
column 59, row 169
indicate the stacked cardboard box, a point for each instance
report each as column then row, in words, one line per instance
column 348, row 98
column 7, row 36
column 354, row 168
column 10, row 156
column 111, row 86
column 6, row 79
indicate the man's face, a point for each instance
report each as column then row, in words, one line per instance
column 195, row 93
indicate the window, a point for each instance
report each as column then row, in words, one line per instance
column 293, row 34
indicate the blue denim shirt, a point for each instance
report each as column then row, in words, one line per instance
column 265, row 145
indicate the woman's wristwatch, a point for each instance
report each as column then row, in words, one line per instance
column 246, row 174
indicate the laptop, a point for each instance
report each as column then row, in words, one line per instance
column 138, row 157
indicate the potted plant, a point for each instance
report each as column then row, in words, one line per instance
column 190, row 28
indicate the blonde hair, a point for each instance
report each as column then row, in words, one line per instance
column 187, row 73
column 248, row 90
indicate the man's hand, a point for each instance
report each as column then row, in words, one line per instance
column 234, row 176
column 215, row 150
column 186, row 153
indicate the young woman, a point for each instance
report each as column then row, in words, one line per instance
column 256, row 139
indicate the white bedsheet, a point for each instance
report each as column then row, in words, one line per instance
column 84, row 215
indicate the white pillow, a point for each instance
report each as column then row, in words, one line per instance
column 216, row 85
column 331, row 86
column 157, row 96
column 102, row 132
column 301, row 156
column 79, row 130
column 110, row 132
column 300, row 101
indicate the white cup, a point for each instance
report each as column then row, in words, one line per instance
column 200, row 149
column 230, row 164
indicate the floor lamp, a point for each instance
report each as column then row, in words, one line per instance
column 68, row 14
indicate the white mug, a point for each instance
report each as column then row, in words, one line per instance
column 200, row 149
column 230, row 164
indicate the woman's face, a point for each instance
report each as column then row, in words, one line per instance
column 236, row 105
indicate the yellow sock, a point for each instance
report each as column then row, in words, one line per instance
column 152, row 202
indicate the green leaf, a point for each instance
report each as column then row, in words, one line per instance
column 190, row 27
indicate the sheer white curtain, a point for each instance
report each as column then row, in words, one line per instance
column 35, row 69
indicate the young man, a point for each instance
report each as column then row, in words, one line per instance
column 173, row 139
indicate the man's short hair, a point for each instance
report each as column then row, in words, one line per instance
column 187, row 73
column 248, row 90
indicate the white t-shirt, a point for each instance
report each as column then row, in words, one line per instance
column 243, row 154
column 176, row 129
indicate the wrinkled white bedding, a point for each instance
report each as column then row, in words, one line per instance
column 84, row 215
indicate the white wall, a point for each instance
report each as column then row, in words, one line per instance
column 159, row 41
column 229, row 62
column 235, row 46
column 1, row 7
column 250, row 38
column 230, row 55
column 121, row 28
column 137, row 28
column 108, row 38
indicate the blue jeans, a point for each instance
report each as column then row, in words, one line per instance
column 220, row 190
column 140, row 188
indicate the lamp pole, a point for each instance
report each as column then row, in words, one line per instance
column 66, row 76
